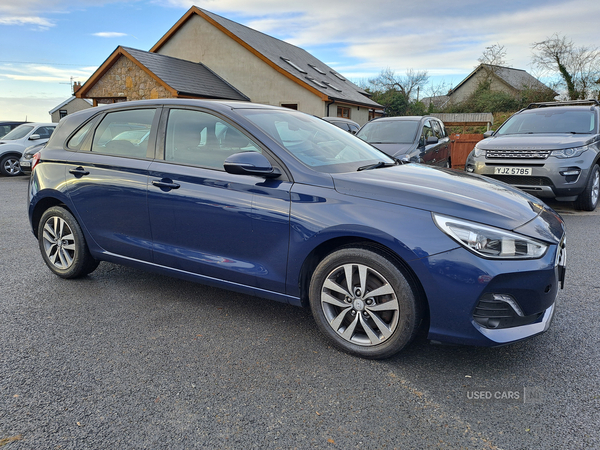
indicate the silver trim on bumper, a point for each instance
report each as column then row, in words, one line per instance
column 506, row 335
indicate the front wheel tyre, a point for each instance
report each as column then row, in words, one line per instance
column 9, row 166
column 63, row 245
column 588, row 199
column 364, row 303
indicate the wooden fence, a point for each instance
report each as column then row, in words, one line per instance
column 460, row 147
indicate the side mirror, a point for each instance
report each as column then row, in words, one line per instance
column 488, row 134
column 432, row 140
column 250, row 163
column 34, row 137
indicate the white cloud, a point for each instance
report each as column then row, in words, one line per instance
column 26, row 20
column 109, row 34
column 44, row 73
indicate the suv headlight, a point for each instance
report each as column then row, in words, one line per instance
column 478, row 152
column 490, row 242
column 569, row 152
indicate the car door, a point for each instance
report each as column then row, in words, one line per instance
column 207, row 221
column 443, row 148
column 107, row 177
column 428, row 154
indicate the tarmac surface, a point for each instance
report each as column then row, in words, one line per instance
column 124, row 359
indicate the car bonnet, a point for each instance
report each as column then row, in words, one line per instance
column 452, row 193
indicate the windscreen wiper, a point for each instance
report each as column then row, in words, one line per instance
column 377, row 165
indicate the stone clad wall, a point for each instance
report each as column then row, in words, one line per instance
column 126, row 80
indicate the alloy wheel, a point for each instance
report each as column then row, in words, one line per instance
column 59, row 242
column 359, row 304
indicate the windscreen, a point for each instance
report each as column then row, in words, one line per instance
column 550, row 120
column 314, row 142
column 389, row 132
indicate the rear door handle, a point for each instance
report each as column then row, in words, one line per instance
column 79, row 171
column 165, row 184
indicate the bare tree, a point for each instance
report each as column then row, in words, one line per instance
column 493, row 55
column 407, row 85
column 578, row 67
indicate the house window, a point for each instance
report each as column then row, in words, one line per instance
column 343, row 112
column 62, row 113
column 290, row 105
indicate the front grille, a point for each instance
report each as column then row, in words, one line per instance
column 523, row 180
column 491, row 313
column 517, row 154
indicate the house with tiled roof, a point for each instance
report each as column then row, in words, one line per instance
column 205, row 55
column 503, row 79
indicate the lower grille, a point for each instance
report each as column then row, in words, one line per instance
column 496, row 314
column 523, row 180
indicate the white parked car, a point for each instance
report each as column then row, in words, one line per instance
column 14, row 143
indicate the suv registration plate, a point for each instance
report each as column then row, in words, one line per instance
column 512, row 171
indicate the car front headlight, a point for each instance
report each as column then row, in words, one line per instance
column 478, row 152
column 490, row 242
column 572, row 152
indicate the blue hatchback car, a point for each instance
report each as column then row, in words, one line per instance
column 279, row 204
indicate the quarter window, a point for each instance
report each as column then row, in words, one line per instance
column 201, row 139
column 124, row 133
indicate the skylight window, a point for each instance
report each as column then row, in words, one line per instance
column 337, row 75
column 318, row 83
column 317, row 69
column 295, row 66
column 332, row 86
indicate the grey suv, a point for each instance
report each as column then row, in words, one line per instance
column 549, row 149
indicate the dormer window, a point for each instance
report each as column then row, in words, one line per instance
column 332, row 86
column 337, row 75
column 295, row 66
column 318, row 83
column 317, row 69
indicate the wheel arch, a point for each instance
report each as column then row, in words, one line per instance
column 325, row 248
column 40, row 207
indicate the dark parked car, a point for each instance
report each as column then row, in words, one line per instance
column 551, row 150
column 345, row 124
column 27, row 157
column 278, row 204
column 410, row 138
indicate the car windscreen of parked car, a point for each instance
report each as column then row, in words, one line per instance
column 550, row 121
column 18, row 133
column 315, row 143
column 400, row 132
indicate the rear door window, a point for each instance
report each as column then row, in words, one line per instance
column 124, row 133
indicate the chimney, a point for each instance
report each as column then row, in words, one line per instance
column 76, row 86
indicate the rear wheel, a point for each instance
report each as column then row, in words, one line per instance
column 9, row 166
column 588, row 199
column 63, row 245
column 363, row 303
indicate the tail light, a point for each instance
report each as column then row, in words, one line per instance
column 35, row 160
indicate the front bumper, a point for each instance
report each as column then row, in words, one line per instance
column 563, row 179
column 461, row 281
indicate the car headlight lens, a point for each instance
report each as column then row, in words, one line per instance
column 569, row 152
column 490, row 242
column 478, row 152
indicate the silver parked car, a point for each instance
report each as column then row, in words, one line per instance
column 551, row 150
column 14, row 143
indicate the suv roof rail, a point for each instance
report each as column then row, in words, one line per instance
column 591, row 101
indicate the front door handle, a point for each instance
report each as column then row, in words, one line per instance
column 165, row 184
column 79, row 171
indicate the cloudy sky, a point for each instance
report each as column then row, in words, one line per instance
column 47, row 43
